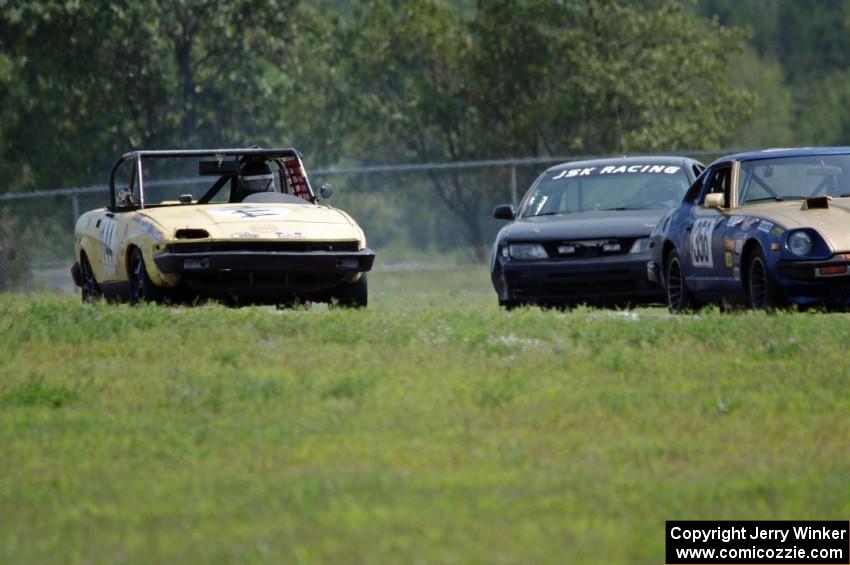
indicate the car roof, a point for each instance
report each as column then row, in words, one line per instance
column 784, row 152
column 625, row 160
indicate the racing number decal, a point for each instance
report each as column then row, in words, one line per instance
column 107, row 234
column 249, row 212
column 701, row 255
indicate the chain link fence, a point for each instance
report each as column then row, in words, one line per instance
column 413, row 215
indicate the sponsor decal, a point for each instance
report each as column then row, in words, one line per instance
column 149, row 228
column 749, row 223
column 107, row 239
column 289, row 235
column 245, row 235
column 250, row 212
column 736, row 273
column 701, row 253
column 734, row 221
column 777, row 231
column 765, row 226
column 728, row 256
column 263, row 228
column 729, row 244
column 739, row 245
column 617, row 170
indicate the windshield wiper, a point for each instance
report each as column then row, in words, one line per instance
column 620, row 208
column 765, row 198
column 548, row 214
column 777, row 198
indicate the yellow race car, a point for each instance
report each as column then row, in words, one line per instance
column 248, row 229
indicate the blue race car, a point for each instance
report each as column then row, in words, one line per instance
column 765, row 229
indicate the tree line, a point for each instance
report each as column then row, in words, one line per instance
column 399, row 81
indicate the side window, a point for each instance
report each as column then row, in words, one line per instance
column 698, row 169
column 718, row 181
column 694, row 190
column 126, row 195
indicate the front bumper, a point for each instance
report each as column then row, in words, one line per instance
column 618, row 278
column 810, row 282
column 319, row 262
column 653, row 272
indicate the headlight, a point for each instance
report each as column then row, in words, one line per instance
column 527, row 251
column 641, row 245
column 800, row 243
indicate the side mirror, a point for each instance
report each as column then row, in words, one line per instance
column 326, row 191
column 714, row 200
column 504, row 212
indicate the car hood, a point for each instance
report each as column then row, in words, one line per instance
column 265, row 221
column 831, row 223
column 584, row 225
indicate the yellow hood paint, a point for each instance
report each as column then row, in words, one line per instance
column 257, row 221
column 833, row 223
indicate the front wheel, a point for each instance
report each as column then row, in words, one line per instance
column 142, row 289
column 89, row 290
column 761, row 290
column 352, row 295
column 679, row 297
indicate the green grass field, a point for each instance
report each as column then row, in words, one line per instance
column 430, row 428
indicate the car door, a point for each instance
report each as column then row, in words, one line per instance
column 110, row 225
column 705, row 262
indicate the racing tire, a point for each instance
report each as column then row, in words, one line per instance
column 89, row 291
column 142, row 288
column 761, row 290
column 679, row 298
column 510, row 304
column 352, row 295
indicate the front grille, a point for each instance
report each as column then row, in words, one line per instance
column 591, row 288
column 588, row 248
column 261, row 246
column 261, row 279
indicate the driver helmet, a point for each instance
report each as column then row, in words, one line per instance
column 256, row 176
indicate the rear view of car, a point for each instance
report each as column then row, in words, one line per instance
column 581, row 233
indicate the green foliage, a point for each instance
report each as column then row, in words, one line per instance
column 35, row 392
column 363, row 82
column 432, row 426
column 801, row 70
column 94, row 79
column 422, row 81
column 772, row 123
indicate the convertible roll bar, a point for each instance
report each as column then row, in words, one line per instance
column 138, row 156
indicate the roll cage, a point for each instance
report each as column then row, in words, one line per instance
column 288, row 160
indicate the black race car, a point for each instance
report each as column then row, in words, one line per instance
column 581, row 232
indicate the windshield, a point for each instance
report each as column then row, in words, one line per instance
column 172, row 181
column 637, row 186
column 791, row 178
